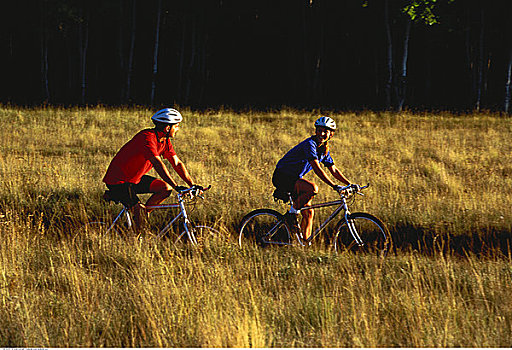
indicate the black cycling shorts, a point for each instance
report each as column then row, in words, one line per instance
column 127, row 193
column 284, row 182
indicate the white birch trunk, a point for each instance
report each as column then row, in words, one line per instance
column 403, row 74
column 83, row 44
column 192, row 62
column 389, row 81
column 129, row 71
column 508, row 84
column 44, row 55
column 120, row 53
column 155, row 53
column 480, row 63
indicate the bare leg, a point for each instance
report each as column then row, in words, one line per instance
column 139, row 215
column 161, row 190
column 305, row 190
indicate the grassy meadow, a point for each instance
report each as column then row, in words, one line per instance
column 441, row 182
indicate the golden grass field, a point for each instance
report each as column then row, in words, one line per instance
column 441, row 182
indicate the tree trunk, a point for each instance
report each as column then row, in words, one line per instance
column 203, row 69
column 120, row 53
column 83, row 40
column 389, row 81
column 428, row 73
column 480, row 62
column 129, row 70
column 469, row 60
column 402, row 87
column 155, row 53
column 44, row 54
column 193, row 51
column 508, row 84
column 307, row 58
column 318, row 69
column 182, row 59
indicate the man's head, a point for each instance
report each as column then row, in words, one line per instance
column 167, row 119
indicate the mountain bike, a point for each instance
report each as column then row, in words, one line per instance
column 354, row 232
column 180, row 224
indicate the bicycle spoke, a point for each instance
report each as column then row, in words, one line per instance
column 264, row 227
column 363, row 233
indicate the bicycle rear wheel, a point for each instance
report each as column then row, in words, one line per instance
column 264, row 227
column 373, row 234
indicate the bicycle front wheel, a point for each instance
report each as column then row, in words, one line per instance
column 199, row 234
column 100, row 228
column 264, row 227
column 362, row 233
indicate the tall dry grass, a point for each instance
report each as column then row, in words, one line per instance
column 444, row 174
column 95, row 291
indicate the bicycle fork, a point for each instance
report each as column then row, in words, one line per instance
column 187, row 224
column 351, row 226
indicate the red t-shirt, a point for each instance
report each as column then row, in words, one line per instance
column 132, row 160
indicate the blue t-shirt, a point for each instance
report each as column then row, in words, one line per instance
column 296, row 162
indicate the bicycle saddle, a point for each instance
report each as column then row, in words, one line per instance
column 280, row 195
column 107, row 196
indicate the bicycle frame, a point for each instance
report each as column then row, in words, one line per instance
column 342, row 206
column 182, row 214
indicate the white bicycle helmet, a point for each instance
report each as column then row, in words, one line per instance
column 167, row 116
column 326, row 122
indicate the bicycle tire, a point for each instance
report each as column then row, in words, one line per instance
column 264, row 227
column 100, row 228
column 372, row 231
column 203, row 234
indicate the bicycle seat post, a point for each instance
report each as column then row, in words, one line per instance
column 292, row 209
column 128, row 216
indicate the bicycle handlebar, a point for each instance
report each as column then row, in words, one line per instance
column 193, row 191
column 353, row 189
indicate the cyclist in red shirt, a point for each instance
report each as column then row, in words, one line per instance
column 126, row 175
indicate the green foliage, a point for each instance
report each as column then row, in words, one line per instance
column 423, row 11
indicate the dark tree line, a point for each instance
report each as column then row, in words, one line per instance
column 343, row 54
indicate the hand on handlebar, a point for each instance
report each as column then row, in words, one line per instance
column 350, row 189
column 180, row 189
column 195, row 190
column 338, row 188
column 356, row 187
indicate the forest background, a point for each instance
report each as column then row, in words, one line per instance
column 78, row 78
column 342, row 54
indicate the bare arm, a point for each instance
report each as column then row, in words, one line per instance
column 320, row 172
column 161, row 169
column 182, row 171
column 338, row 175
column 323, row 175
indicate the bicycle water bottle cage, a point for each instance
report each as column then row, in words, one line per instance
column 280, row 195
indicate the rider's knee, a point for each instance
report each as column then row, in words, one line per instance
column 160, row 187
column 165, row 189
column 308, row 213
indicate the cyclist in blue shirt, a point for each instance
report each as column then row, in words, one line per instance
column 300, row 160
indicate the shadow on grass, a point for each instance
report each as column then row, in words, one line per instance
column 483, row 242
column 58, row 213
